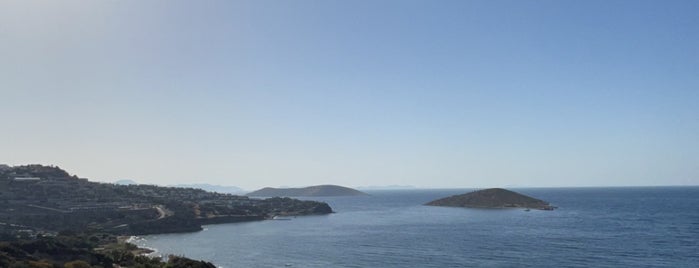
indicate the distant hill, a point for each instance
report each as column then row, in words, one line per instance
column 126, row 182
column 387, row 187
column 318, row 190
column 492, row 198
column 213, row 188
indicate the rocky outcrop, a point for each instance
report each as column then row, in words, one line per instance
column 318, row 190
column 492, row 198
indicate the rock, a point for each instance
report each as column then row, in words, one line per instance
column 181, row 262
column 492, row 198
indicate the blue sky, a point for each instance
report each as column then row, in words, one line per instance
column 424, row 93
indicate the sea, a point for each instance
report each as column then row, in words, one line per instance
column 592, row 227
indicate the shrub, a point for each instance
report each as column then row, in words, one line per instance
column 77, row 264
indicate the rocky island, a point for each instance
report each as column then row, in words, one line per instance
column 318, row 190
column 492, row 198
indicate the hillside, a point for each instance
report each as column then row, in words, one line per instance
column 203, row 186
column 318, row 190
column 492, row 198
column 46, row 199
column 84, row 250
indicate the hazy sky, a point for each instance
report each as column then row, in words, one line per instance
column 423, row 93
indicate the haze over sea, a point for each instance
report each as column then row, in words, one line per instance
column 593, row 227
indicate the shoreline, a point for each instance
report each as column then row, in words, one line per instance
column 140, row 250
column 150, row 251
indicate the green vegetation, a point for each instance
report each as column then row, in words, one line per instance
column 49, row 218
column 83, row 250
column 48, row 199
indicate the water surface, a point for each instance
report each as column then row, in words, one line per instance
column 601, row 227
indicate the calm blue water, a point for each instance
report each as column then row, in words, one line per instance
column 600, row 227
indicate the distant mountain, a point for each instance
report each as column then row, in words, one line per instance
column 318, row 190
column 212, row 188
column 125, row 182
column 492, row 198
column 387, row 187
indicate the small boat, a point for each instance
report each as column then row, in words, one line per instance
column 278, row 218
column 527, row 210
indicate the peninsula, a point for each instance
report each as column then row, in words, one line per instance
column 50, row 218
column 46, row 199
column 492, row 198
column 318, row 190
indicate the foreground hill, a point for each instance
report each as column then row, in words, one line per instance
column 84, row 250
column 319, row 190
column 492, row 198
column 47, row 199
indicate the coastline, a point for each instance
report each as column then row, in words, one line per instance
column 138, row 240
column 140, row 250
